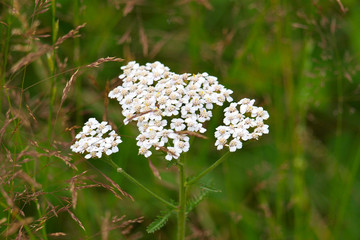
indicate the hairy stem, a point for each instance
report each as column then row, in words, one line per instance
column 181, row 218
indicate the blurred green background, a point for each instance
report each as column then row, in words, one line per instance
column 298, row 59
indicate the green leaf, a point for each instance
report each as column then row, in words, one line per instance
column 209, row 189
column 191, row 204
column 205, row 190
column 160, row 221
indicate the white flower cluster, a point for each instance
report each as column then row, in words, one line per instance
column 243, row 121
column 96, row 138
column 166, row 105
column 167, row 108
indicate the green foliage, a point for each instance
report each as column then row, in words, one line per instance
column 160, row 221
column 194, row 201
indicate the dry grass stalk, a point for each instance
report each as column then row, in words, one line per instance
column 117, row 219
column 154, row 170
column 116, row 3
column 31, row 57
column 108, row 187
column 90, row 186
column 342, row 9
column 51, row 208
column 143, row 40
column 205, row 3
column 67, row 87
column 78, row 182
column 66, row 159
column 72, row 128
column 129, row 6
column 31, row 113
column 2, row 221
column 16, row 225
column 126, row 36
column 41, row 223
column 199, row 234
column 72, row 34
column 26, row 152
column 73, row 77
column 61, row 64
column 118, row 223
column 159, row 45
column 105, row 226
column 73, row 188
column 41, row 7
column 136, row 220
column 117, row 186
column 100, row 61
column 18, row 124
column 128, row 225
column 73, row 193
column 28, row 179
column 27, row 196
column 127, row 230
column 93, row 81
column 4, row 23
column 57, row 234
column 75, row 218
column 20, row 235
column 6, row 123
column 9, row 201
column 8, row 156
column 44, row 48
column 36, row 154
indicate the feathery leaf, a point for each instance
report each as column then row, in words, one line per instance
column 160, row 221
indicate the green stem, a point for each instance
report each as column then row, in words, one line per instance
column 206, row 171
column 52, row 69
column 125, row 174
column 181, row 218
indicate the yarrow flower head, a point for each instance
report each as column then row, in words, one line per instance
column 166, row 105
column 95, row 139
column 167, row 108
column 243, row 121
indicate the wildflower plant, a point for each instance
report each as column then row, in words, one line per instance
column 168, row 109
